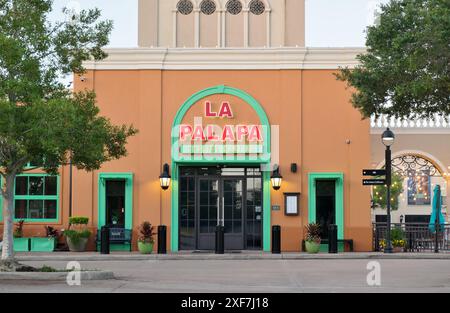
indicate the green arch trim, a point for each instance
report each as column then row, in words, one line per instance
column 221, row 89
column 264, row 159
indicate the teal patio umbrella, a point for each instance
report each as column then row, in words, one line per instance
column 436, row 211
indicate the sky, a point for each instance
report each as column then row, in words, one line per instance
column 329, row 23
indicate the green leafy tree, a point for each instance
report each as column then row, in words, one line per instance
column 380, row 193
column 40, row 120
column 406, row 70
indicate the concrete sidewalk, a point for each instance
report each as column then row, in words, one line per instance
column 126, row 256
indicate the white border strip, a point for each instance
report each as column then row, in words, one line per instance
column 227, row 59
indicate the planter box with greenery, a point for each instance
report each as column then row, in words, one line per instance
column 77, row 235
column 45, row 244
column 42, row 244
column 20, row 243
column 146, row 240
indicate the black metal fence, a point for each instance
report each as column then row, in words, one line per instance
column 417, row 236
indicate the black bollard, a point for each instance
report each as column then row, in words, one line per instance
column 162, row 239
column 104, row 240
column 332, row 239
column 276, row 239
column 220, row 239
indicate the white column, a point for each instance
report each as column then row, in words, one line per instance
column 268, row 28
column 197, row 28
column 224, row 27
column 246, row 28
column 174, row 30
column 219, row 29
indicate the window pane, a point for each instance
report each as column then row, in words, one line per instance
column 21, row 186
column 36, row 185
column 35, row 209
column 50, row 209
column 50, row 186
column 21, row 209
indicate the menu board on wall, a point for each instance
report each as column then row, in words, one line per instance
column 291, row 203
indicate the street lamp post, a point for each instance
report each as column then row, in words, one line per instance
column 388, row 138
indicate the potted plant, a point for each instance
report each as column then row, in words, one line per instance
column 312, row 241
column 146, row 240
column 20, row 244
column 45, row 244
column 77, row 235
column 397, row 239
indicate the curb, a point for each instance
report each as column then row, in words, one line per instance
column 232, row 256
column 59, row 276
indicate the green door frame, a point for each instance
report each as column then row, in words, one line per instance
column 102, row 178
column 178, row 161
column 339, row 178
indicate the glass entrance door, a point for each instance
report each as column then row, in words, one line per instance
column 231, row 197
column 231, row 212
column 208, row 212
column 115, row 203
column 325, row 205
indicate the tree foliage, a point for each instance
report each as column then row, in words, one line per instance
column 41, row 121
column 379, row 193
column 406, row 70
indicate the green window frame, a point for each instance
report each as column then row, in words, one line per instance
column 42, row 198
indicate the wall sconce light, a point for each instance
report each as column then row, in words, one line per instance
column 164, row 178
column 276, row 178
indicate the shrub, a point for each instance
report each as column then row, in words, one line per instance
column 76, row 235
column 313, row 232
column 78, row 220
column 51, row 232
column 80, row 230
column 146, row 233
column 18, row 232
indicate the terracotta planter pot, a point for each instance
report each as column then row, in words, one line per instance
column 398, row 249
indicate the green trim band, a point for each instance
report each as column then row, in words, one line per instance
column 339, row 178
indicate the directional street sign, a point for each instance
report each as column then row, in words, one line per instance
column 374, row 182
column 374, row 172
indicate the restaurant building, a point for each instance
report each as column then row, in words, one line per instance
column 226, row 94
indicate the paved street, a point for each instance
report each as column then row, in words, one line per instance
column 250, row 276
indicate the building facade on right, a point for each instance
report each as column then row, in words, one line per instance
column 420, row 161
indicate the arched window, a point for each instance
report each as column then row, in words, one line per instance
column 257, row 7
column 234, row 7
column 208, row 7
column 185, row 7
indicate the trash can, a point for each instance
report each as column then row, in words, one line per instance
column 104, row 240
column 162, row 239
column 276, row 239
column 332, row 239
column 220, row 239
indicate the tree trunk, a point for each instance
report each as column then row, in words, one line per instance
column 8, row 225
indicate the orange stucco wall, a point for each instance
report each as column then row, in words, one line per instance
column 319, row 130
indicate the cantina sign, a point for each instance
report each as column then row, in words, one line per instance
column 214, row 133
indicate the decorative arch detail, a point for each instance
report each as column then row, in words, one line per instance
column 433, row 161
